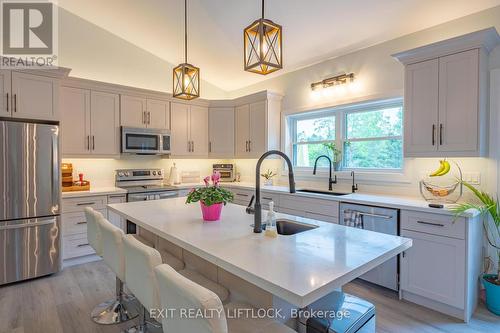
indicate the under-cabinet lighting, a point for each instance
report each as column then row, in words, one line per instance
column 332, row 81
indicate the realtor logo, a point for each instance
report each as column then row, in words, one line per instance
column 29, row 36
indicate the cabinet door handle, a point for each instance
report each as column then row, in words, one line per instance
column 81, row 222
column 433, row 134
column 210, row 147
column 85, row 203
column 15, row 102
column 144, row 117
column 242, row 195
column 192, row 145
column 93, row 142
column 249, row 145
column 440, row 134
column 430, row 223
column 8, row 102
column 82, row 245
column 88, row 142
column 149, row 118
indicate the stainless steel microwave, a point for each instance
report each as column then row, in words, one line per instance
column 145, row 141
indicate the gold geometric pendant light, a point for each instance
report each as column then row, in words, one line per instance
column 263, row 45
column 186, row 76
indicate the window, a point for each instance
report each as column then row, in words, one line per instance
column 368, row 136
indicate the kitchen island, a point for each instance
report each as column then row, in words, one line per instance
column 299, row 269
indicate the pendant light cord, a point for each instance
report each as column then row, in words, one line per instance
column 185, row 32
column 262, row 9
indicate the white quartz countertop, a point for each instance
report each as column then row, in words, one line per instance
column 93, row 192
column 299, row 268
column 382, row 200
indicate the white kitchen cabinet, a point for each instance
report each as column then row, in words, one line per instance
column 442, row 106
column 189, row 130
column 434, row 267
column 446, row 94
column 90, row 122
column 421, row 107
column 5, row 92
column 75, row 121
column 458, row 102
column 221, row 132
column 144, row 112
column 133, row 111
column 198, row 129
column 32, row 96
column 442, row 268
column 257, row 127
column 158, row 112
column 242, row 128
column 114, row 218
column 105, row 123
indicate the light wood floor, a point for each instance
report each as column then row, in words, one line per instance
column 62, row 303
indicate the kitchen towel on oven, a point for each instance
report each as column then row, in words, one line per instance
column 353, row 219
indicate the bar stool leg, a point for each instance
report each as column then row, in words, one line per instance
column 114, row 311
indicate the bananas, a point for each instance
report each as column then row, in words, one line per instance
column 444, row 168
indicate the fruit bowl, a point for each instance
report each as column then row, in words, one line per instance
column 441, row 193
column 444, row 185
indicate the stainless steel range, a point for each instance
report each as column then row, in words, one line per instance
column 144, row 184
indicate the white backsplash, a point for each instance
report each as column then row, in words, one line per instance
column 100, row 172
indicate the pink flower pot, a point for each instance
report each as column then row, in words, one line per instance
column 211, row 213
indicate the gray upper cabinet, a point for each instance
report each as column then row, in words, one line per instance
column 446, row 91
column 144, row 112
column 27, row 96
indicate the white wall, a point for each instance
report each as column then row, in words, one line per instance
column 96, row 54
column 378, row 75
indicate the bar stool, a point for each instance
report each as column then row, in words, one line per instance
column 178, row 292
column 140, row 260
column 115, row 310
column 93, row 232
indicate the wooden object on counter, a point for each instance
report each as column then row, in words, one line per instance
column 67, row 174
column 85, row 186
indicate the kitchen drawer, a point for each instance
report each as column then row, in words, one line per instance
column 242, row 196
column 434, row 224
column 293, row 212
column 323, row 218
column 76, row 246
column 75, row 223
column 267, row 197
column 310, row 205
column 70, row 205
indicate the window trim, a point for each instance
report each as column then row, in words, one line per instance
column 340, row 114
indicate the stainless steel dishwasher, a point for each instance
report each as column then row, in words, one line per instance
column 384, row 220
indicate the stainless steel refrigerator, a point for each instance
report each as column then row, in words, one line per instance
column 30, row 227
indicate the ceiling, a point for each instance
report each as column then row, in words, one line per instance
column 313, row 30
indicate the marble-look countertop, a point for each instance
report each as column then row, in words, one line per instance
column 300, row 268
column 94, row 191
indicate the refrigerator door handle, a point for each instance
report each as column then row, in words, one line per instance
column 51, row 220
column 55, row 172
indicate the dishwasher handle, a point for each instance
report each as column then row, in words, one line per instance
column 386, row 217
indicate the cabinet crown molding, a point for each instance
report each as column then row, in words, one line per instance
column 486, row 39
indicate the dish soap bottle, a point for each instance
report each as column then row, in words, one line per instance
column 271, row 222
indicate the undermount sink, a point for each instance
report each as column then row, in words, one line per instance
column 288, row 227
column 320, row 192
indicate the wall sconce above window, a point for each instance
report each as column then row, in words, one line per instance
column 333, row 81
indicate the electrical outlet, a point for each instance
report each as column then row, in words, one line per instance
column 473, row 178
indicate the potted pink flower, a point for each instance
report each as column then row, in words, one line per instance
column 211, row 197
